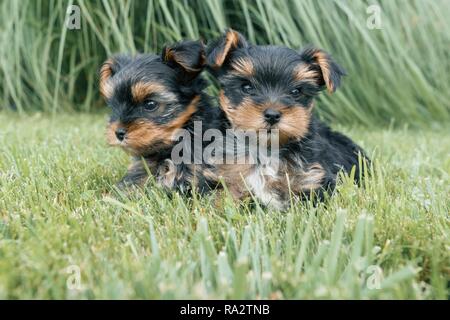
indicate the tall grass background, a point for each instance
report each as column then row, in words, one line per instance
column 399, row 73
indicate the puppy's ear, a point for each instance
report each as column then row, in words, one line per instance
column 108, row 69
column 329, row 71
column 186, row 57
column 219, row 50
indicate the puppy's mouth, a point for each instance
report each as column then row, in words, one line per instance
column 131, row 144
column 272, row 127
column 123, row 144
column 282, row 131
column 122, row 140
column 136, row 148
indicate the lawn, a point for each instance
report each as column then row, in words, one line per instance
column 65, row 233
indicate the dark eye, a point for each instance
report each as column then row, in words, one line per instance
column 247, row 88
column 150, row 105
column 295, row 92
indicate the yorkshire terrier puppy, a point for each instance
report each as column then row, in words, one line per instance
column 152, row 98
column 273, row 88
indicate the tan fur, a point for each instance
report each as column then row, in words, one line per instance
column 141, row 90
column 323, row 61
column 106, row 88
column 313, row 177
column 184, row 116
column 231, row 42
column 303, row 73
column 171, row 55
column 294, row 122
column 246, row 116
column 111, row 133
column 249, row 116
column 271, row 189
column 166, row 174
column 306, row 180
column 234, row 176
column 243, row 66
column 142, row 134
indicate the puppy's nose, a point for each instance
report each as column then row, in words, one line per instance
column 272, row 116
column 120, row 133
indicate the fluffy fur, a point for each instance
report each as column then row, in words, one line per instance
column 273, row 88
column 151, row 99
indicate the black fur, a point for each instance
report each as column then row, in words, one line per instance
column 178, row 70
column 272, row 85
column 333, row 150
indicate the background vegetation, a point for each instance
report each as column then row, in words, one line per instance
column 399, row 73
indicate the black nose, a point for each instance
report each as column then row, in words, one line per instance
column 120, row 133
column 272, row 116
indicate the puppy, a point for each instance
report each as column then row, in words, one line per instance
column 272, row 88
column 152, row 99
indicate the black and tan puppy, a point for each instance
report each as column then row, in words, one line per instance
column 152, row 98
column 273, row 88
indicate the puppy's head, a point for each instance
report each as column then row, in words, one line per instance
column 152, row 96
column 270, row 87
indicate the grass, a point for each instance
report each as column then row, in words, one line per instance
column 56, row 218
column 398, row 73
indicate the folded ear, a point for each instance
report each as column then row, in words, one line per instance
column 219, row 50
column 186, row 57
column 108, row 69
column 329, row 71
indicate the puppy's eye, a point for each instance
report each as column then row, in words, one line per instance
column 295, row 92
column 150, row 105
column 247, row 88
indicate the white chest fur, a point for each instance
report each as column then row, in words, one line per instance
column 258, row 181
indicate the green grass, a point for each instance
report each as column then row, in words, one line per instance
column 399, row 73
column 55, row 214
